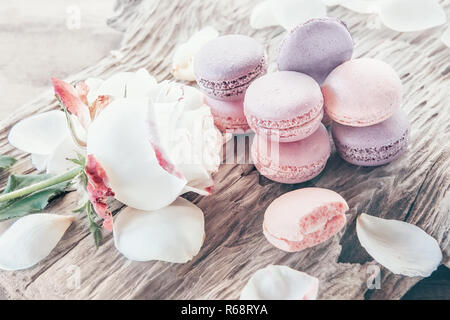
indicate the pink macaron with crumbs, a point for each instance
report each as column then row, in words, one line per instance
column 292, row 162
column 362, row 92
column 228, row 115
column 286, row 106
column 303, row 218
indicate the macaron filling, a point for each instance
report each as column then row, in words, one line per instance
column 231, row 125
column 375, row 155
column 353, row 121
column 318, row 226
column 300, row 126
column 233, row 87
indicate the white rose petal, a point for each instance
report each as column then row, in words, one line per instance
column 280, row 283
column 401, row 247
column 93, row 84
column 114, row 86
column 40, row 133
column 290, row 13
column 58, row 161
column 174, row 233
column 411, row 15
column 140, row 84
column 119, row 139
column 362, row 6
column 332, row 2
column 40, row 161
column 30, row 239
column 183, row 58
column 262, row 16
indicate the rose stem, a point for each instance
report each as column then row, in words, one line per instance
column 69, row 175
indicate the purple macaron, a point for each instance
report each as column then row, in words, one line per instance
column 373, row 145
column 225, row 66
column 316, row 47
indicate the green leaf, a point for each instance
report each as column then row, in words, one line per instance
column 94, row 228
column 19, row 181
column 32, row 203
column 6, row 162
column 80, row 160
column 96, row 231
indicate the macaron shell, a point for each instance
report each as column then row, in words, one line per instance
column 362, row 92
column 225, row 66
column 373, row 145
column 282, row 95
column 228, row 115
column 303, row 218
column 292, row 162
column 228, row 57
column 316, row 48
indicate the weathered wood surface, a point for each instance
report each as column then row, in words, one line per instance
column 414, row 188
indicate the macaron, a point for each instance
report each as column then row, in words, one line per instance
column 362, row 92
column 303, row 218
column 228, row 115
column 374, row 145
column 224, row 67
column 285, row 106
column 316, row 47
column 292, row 162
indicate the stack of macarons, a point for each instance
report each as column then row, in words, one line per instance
column 285, row 108
column 363, row 98
column 317, row 78
column 224, row 68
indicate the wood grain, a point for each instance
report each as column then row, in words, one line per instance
column 414, row 188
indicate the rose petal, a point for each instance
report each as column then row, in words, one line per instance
column 174, row 233
column 39, row 134
column 362, row 6
column 30, row 239
column 401, row 247
column 39, row 161
column 182, row 62
column 114, row 86
column 140, row 84
column 72, row 101
column 332, row 2
column 280, row 283
column 119, row 139
column 58, row 161
column 98, row 190
column 290, row 13
column 446, row 37
column 411, row 15
column 262, row 16
column 187, row 133
column 93, row 84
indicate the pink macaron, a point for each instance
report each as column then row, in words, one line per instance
column 292, row 162
column 303, row 218
column 286, row 106
column 362, row 92
column 228, row 115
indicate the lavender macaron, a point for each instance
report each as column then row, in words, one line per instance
column 316, row 47
column 225, row 66
column 373, row 145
